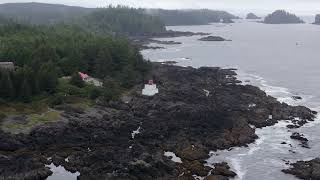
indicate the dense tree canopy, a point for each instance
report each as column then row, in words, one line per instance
column 282, row 17
column 189, row 17
column 123, row 20
column 44, row 53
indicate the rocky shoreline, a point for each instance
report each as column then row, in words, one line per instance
column 308, row 170
column 196, row 111
column 143, row 41
column 213, row 38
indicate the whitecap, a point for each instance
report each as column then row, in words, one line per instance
column 136, row 132
column 173, row 157
column 60, row 173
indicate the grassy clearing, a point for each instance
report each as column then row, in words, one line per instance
column 38, row 111
column 35, row 119
column 18, row 108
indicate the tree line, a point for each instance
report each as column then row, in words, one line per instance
column 190, row 17
column 122, row 20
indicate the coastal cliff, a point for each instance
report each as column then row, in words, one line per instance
column 197, row 110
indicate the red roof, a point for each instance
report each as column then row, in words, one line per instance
column 83, row 75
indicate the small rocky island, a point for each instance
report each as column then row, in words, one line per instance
column 165, row 136
column 213, row 38
column 252, row 16
column 227, row 21
column 317, row 19
column 282, row 17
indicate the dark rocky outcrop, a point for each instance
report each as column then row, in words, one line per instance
column 252, row 16
column 227, row 21
column 213, row 38
column 296, row 98
column 298, row 136
column 308, row 170
column 223, row 169
column 197, row 110
column 301, row 138
column 317, row 19
column 144, row 40
column 282, row 17
column 23, row 165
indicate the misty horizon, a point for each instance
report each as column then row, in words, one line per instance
column 309, row 7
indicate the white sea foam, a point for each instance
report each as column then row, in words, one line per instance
column 60, row 173
column 236, row 165
column 135, row 132
column 270, row 138
column 173, row 157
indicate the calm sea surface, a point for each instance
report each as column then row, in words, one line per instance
column 283, row 60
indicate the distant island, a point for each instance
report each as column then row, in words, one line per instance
column 213, row 38
column 227, row 20
column 191, row 17
column 252, row 16
column 282, row 17
column 317, row 19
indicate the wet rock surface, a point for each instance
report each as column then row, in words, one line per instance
column 223, row 169
column 197, row 110
column 308, row 170
column 301, row 138
column 213, row 38
column 143, row 41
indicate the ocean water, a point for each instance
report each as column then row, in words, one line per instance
column 283, row 60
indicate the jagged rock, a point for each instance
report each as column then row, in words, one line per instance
column 22, row 166
column 216, row 177
column 197, row 168
column 182, row 118
column 227, row 20
column 192, row 153
column 292, row 126
column 296, row 98
column 223, row 169
column 213, row 38
column 308, row 170
column 299, row 137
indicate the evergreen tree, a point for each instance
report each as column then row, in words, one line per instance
column 6, row 85
column 104, row 64
column 25, row 93
column 48, row 77
column 76, row 80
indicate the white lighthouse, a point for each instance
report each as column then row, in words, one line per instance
column 150, row 89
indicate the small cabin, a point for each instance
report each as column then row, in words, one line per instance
column 90, row 80
column 7, row 66
column 83, row 76
column 150, row 89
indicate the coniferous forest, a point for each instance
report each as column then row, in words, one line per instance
column 43, row 54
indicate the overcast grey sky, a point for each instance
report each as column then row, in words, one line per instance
column 263, row 6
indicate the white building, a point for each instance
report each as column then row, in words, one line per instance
column 150, row 89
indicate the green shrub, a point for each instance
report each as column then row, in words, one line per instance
column 94, row 93
column 2, row 116
column 57, row 99
column 76, row 80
